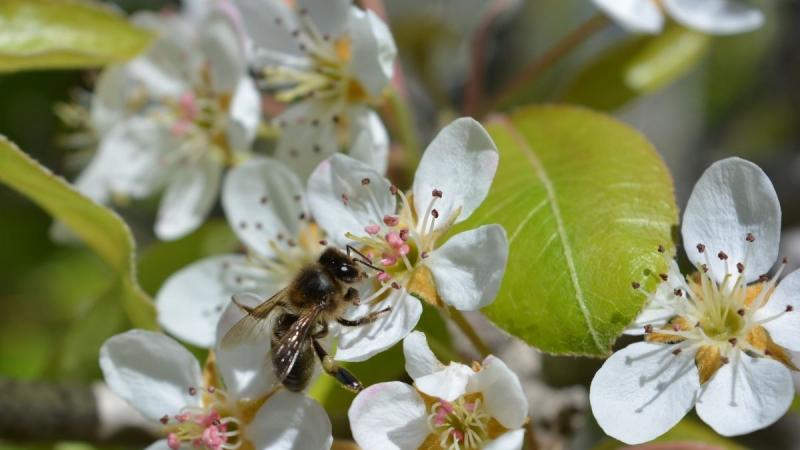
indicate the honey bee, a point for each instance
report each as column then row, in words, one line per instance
column 296, row 318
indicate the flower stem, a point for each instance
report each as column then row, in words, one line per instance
column 531, row 72
column 406, row 129
column 475, row 339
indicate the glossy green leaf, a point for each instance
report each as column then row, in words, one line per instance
column 688, row 434
column 58, row 34
column 586, row 201
column 635, row 67
column 102, row 229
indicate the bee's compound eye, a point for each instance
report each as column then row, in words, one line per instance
column 348, row 272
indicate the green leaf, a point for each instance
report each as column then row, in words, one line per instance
column 688, row 434
column 635, row 67
column 60, row 34
column 586, row 201
column 102, row 230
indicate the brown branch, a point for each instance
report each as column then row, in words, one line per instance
column 34, row 411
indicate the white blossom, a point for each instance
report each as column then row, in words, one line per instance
column 175, row 117
column 706, row 16
column 356, row 206
column 449, row 407
column 330, row 61
column 719, row 338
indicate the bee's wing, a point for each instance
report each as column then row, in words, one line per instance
column 291, row 343
column 254, row 325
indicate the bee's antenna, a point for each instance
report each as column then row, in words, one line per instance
column 369, row 265
column 364, row 260
column 350, row 248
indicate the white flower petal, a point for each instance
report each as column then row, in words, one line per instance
column 733, row 198
column 502, row 392
column 510, row 440
column 264, row 200
column 270, row 24
column 373, row 51
column 785, row 329
column 188, row 199
column 150, row 371
column 245, row 115
column 388, row 416
column 245, row 367
column 328, row 16
column 461, row 162
column 224, row 51
column 469, row 267
column 448, row 383
column 360, row 343
column 137, row 152
column 290, row 421
column 167, row 69
column 308, row 135
column 191, row 301
column 746, row 395
column 109, row 102
column 159, row 445
column 662, row 303
column 715, row 16
column 639, row 16
column 642, row 391
column 420, row 360
column 370, row 140
column 341, row 203
column 93, row 181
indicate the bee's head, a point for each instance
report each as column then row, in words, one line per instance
column 340, row 265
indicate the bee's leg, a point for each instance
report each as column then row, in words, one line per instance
column 244, row 308
column 342, row 375
column 369, row 318
column 352, row 296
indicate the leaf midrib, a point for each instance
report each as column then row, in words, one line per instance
column 551, row 199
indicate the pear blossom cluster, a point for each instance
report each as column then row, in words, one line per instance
column 184, row 121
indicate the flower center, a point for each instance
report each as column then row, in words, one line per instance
column 462, row 424
column 325, row 73
column 203, row 427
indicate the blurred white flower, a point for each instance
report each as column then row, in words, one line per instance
column 330, row 61
column 174, row 117
column 717, row 339
column 164, row 382
column 448, row 407
column 265, row 205
column 356, row 206
column 706, row 16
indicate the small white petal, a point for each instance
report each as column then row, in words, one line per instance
column 662, row 304
column 159, row 445
column 93, row 181
column 469, row 267
column 733, row 197
column 191, row 301
column 263, row 200
column 370, row 142
column 270, row 24
column 224, row 51
column 360, row 343
column 448, row 383
column 784, row 330
column 308, row 135
column 245, row 367
column 290, row 421
column 502, row 392
column 388, row 416
column 510, row 440
column 746, row 395
column 642, row 391
column 638, row 16
column 150, row 371
column 373, row 51
column 188, row 199
column 461, row 162
column 109, row 102
column 329, row 16
column 715, row 16
column 420, row 360
column 341, row 203
column 245, row 115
